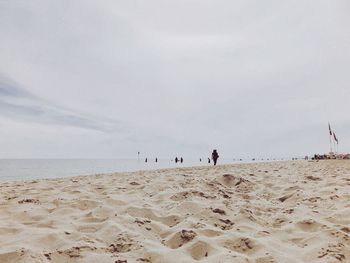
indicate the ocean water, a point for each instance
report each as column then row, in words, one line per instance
column 25, row 169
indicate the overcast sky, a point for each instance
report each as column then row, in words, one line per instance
column 106, row 79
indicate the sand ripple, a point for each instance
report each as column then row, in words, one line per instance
column 259, row 213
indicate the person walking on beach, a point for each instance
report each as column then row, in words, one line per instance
column 176, row 159
column 215, row 156
column 181, row 160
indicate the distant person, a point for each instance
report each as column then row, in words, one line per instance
column 215, row 156
column 181, row 160
column 208, row 160
column 156, row 159
column 146, row 160
column 176, row 159
column 200, row 159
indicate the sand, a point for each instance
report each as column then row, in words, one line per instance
column 297, row 211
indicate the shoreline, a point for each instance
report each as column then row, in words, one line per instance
column 20, row 169
column 281, row 211
column 149, row 170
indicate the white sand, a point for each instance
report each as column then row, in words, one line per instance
column 268, row 212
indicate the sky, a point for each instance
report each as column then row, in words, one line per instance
column 107, row 79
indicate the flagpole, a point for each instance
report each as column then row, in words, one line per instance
column 337, row 147
column 335, row 140
column 330, row 137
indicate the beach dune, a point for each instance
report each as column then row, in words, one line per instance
column 292, row 211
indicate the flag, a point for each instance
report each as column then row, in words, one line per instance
column 330, row 130
column 335, row 137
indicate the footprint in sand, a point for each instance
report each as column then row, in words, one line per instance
column 230, row 180
column 170, row 220
column 180, row 238
column 200, row 250
column 97, row 215
column 299, row 241
column 242, row 245
column 308, row 225
column 70, row 254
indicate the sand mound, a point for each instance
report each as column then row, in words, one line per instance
column 261, row 213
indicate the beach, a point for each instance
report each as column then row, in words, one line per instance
column 287, row 211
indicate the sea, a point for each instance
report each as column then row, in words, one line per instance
column 28, row 169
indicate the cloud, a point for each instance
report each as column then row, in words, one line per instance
column 17, row 102
column 244, row 76
column 9, row 88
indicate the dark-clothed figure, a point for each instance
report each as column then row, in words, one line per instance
column 181, row 160
column 215, row 156
column 156, row 159
column 146, row 160
column 176, row 159
column 208, row 160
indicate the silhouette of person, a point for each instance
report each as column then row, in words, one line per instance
column 176, row 159
column 208, row 160
column 156, row 159
column 146, row 160
column 181, row 160
column 200, row 159
column 215, row 156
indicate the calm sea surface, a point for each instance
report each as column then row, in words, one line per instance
column 23, row 169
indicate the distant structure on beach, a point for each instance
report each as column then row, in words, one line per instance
column 331, row 156
column 333, row 148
